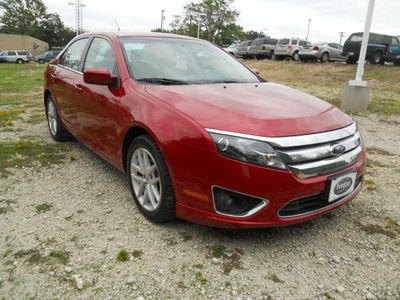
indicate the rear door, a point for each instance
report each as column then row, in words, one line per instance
column 64, row 76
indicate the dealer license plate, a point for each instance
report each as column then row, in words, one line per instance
column 341, row 185
column 398, row 56
column 351, row 53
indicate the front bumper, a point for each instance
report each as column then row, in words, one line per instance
column 195, row 171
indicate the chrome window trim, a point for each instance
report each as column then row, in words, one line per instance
column 296, row 140
column 264, row 203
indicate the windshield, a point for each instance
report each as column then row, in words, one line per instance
column 179, row 61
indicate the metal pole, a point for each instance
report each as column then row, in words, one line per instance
column 308, row 28
column 364, row 44
column 162, row 18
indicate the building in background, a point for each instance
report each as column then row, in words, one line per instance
column 22, row 42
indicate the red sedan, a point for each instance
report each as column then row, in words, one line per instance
column 199, row 135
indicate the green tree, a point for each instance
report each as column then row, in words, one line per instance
column 252, row 35
column 30, row 17
column 217, row 21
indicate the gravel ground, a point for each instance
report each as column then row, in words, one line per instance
column 62, row 228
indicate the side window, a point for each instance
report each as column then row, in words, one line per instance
column 73, row 56
column 332, row 45
column 12, row 53
column 294, row 42
column 101, row 56
column 394, row 41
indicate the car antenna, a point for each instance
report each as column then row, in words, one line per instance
column 117, row 24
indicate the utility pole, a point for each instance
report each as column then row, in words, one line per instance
column 308, row 29
column 78, row 15
column 341, row 34
column 162, row 18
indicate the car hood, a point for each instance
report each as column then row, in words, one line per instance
column 264, row 109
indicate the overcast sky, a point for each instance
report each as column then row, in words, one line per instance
column 278, row 18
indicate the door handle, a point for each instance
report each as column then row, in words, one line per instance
column 78, row 88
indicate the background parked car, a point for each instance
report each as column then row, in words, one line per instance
column 393, row 54
column 244, row 48
column 263, row 48
column 15, row 56
column 377, row 47
column 48, row 56
column 289, row 48
column 232, row 49
column 324, row 52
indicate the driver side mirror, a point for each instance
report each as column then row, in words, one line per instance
column 98, row 76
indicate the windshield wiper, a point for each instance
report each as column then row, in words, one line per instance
column 225, row 81
column 163, row 81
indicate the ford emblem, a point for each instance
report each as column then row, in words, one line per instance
column 337, row 150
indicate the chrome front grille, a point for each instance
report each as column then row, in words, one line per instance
column 311, row 155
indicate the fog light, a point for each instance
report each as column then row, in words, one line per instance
column 231, row 203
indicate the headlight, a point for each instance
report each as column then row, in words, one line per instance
column 247, row 150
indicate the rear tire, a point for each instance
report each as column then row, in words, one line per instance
column 272, row 55
column 149, row 180
column 41, row 61
column 56, row 127
column 295, row 56
column 376, row 58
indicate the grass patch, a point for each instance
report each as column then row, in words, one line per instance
column 28, row 154
column 7, row 117
column 377, row 229
column 42, row 208
column 21, row 78
column 61, row 256
column 123, row 255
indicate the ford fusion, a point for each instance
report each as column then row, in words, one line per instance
column 199, row 135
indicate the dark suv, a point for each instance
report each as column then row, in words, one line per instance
column 377, row 47
column 48, row 56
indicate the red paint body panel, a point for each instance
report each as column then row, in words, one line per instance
column 176, row 117
column 264, row 109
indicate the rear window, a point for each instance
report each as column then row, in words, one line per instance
column 259, row 42
column 283, row 42
column 246, row 43
column 356, row 37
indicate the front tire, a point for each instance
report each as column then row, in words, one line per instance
column 150, row 181
column 20, row 61
column 56, row 127
column 324, row 57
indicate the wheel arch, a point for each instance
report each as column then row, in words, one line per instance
column 130, row 135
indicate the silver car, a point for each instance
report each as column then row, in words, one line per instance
column 15, row 56
column 262, row 48
column 232, row 49
column 324, row 52
column 289, row 48
column 244, row 48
